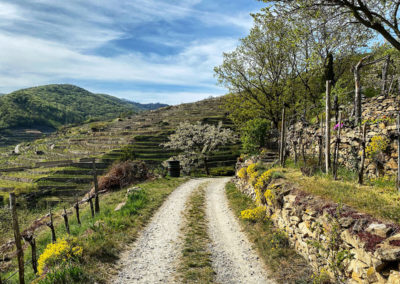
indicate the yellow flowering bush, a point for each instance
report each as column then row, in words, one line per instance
column 377, row 146
column 269, row 196
column 254, row 214
column 63, row 250
column 242, row 173
column 261, row 183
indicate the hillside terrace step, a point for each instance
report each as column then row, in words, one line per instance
column 52, row 164
column 61, row 187
column 15, row 169
column 76, row 180
column 17, row 179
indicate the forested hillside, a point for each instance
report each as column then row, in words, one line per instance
column 55, row 105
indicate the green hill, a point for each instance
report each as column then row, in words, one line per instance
column 56, row 105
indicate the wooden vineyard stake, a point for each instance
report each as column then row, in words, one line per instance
column 295, row 151
column 17, row 237
column 32, row 242
column 282, row 146
column 398, row 151
column 328, row 127
column 361, row 171
column 320, row 144
column 76, row 206
column 51, row 226
column 65, row 216
column 336, row 155
column 96, row 189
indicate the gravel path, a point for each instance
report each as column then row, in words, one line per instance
column 233, row 258
column 153, row 258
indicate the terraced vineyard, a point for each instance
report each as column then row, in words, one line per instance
column 58, row 167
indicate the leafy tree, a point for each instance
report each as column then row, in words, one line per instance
column 377, row 15
column 199, row 140
column 254, row 134
column 258, row 70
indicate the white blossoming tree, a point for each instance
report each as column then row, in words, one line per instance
column 197, row 141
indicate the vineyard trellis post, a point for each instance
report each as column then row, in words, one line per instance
column 398, row 151
column 282, row 146
column 17, row 237
column 320, row 142
column 328, row 127
column 90, row 200
column 336, row 153
column 363, row 143
column 96, row 188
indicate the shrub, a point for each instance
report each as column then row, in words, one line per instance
column 124, row 174
column 242, row 173
column 65, row 250
column 377, row 146
column 255, row 214
column 254, row 134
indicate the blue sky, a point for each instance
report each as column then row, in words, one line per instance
column 145, row 51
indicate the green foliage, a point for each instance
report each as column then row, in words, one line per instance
column 55, row 105
column 254, row 134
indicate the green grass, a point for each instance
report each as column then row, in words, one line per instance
column 284, row 264
column 106, row 236
column 379, row 200
column 195, row 263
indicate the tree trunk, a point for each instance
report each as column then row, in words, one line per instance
column 17, row 237
column 320, row 143
column 328, row 127
column 295, row 151
column 357, row 97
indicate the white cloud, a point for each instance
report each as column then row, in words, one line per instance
column 47, row 41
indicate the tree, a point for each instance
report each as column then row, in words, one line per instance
column 254, row 134
column 257, row 71
column 199, row 140
column 377, row 15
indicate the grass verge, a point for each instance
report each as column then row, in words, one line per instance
column 285, row 265
column 195, row 263
column 378, row 201
column 104, row 237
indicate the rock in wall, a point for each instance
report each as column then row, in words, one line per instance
column 325, row 232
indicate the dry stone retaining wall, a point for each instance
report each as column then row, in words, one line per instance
column 380, row 111
column 311, row 222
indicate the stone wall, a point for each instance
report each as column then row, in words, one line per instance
column 379, row 111
column 322, row 231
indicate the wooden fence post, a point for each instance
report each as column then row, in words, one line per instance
column 282, row 146
column 336, row 156
column 77, row 212
column 96, row 189
column 17, row 236
column 398, row 151
column 30, row 238
column 320, row 143
column 328, row 127
column 51, row 226
column 361, row 170
column 65, row 216
column 295, row 151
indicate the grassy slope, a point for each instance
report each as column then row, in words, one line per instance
column 105, row 236
column 285, row 265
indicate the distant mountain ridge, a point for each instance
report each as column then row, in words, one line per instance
column 60, row 104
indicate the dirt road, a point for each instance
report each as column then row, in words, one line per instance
column 156, row 252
